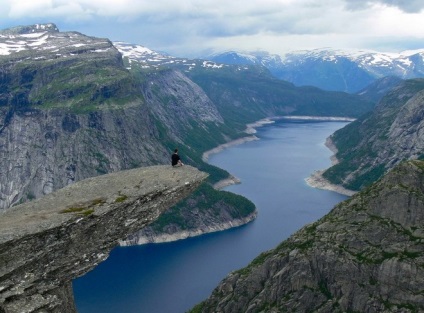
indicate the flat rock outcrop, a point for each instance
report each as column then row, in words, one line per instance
column 366, row 255
column 46, row 243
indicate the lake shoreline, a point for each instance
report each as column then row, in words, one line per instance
column 185, row 234
column 315, row 180
column 251, row 129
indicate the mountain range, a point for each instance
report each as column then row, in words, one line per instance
column 330, row 69
column 74, row 106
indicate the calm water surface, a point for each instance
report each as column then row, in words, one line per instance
column 173, row 277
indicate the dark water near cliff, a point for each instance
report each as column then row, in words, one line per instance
column 173, row 277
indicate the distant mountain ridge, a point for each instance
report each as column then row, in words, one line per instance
column 209, row 74
column 136, row 55
column 334, row 70
column 330, row 69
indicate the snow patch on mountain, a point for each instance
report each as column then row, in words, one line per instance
column 332, row 69
column 15, row 43
column 144, row 57
column 44, row 41
column 211, row 64
column 140, row 56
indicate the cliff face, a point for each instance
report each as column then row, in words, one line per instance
column 366, row 255
column 378, row 141
column 68, row 110
column 181, row 97
column 45, row 150
column 205, row 211
column 187, row 115
column 46, row 243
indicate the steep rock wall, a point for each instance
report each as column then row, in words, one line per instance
column 376, row 142
column 45, row 150
column 366, row 255
column 68, row 110
column 46, row 243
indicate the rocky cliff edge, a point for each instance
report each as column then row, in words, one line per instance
column 46, row 243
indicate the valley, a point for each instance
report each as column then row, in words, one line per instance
column 74, row 106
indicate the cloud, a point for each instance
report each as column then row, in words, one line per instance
column 408, row 6
column 220, row 17
column 68, row 10
column 186, row 26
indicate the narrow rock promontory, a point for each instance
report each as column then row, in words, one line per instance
column 46, row 243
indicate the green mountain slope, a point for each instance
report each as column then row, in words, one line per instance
column 246, row 95
column 376, row 142
column 55, row 69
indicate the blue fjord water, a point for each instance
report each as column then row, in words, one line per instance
column 173, row 277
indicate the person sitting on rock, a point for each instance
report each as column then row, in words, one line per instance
column 175, row 158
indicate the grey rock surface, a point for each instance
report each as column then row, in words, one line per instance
column 366, row 255
column 46, row 243
column 43, row 151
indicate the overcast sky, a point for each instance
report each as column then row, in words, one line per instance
column 191, row 28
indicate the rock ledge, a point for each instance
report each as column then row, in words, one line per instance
column 46, row 243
